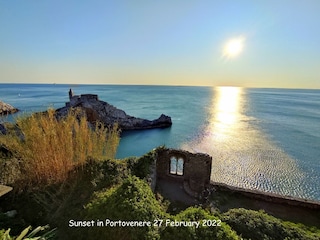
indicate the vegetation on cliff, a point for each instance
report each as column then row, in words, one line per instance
column 95, row 186
column 259, row 225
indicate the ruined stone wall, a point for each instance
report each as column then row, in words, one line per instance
column 268, row 197
column 76, row 99
column 152, row 178
column 196, row 168
column 87, row 97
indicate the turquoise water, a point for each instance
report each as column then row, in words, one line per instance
column 266, row 139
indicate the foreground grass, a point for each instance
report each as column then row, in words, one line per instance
column 48, row 148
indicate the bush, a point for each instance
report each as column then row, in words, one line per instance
column 211, row 229
column 50, row 148
column 104, row 173
column 133, row 200
column 141, row 166
column 259, row 225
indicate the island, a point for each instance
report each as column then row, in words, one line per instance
column 100, row 111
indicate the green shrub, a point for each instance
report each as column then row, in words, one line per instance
column 133, row 200
column 105, row 173
column 211, row 228
column 141, row 166
column 259, row 225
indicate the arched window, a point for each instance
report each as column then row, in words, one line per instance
column 173, row 165
column 176, row 166
column 180, row 167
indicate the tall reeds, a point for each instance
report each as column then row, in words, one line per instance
column 49, row 148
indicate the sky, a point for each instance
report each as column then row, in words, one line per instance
column 163, row 42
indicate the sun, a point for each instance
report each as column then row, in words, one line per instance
column 233, row 47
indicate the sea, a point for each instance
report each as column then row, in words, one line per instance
column 264, row 139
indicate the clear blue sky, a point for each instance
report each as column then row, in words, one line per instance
column 160, row 42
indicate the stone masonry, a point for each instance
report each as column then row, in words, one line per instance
column 194, row 173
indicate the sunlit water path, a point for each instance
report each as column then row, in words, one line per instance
column 243, row 155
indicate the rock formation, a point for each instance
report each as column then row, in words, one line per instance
column 107, row 114
column 6, row 108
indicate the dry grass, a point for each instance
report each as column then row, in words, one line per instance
column 50, row 149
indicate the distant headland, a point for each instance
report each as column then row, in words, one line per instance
column 100, row 111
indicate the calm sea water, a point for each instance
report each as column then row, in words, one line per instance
column 266, row 139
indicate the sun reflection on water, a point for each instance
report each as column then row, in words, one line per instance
column 226, row 111
column 242, row 154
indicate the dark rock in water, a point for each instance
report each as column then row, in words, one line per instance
column 107, row 114
column 6, row 108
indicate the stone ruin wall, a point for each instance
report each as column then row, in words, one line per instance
column 268, row 197
column 77, row 99
column 196, row 169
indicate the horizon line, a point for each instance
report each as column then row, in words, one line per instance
column 155, row 85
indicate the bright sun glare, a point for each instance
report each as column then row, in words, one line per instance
column 233, row 47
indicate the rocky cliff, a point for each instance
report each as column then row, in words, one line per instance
column 104, row 112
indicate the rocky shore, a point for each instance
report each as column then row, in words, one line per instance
column 97, row 110
column 6, row 108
